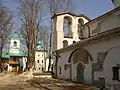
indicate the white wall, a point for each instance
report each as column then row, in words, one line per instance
column 112, row 59
column 40, row 55
column 103, row 46
column 107, row 23
column 61, row 62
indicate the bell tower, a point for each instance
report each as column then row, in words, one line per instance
column 65, row 31
column 14, row 43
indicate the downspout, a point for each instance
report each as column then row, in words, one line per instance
column 56, row 64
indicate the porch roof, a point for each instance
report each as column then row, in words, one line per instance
column 18, row 54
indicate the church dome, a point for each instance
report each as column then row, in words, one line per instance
column 39, row 43
column 15, row 36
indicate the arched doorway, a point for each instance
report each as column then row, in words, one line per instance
column 81, row 69
column 80, row 73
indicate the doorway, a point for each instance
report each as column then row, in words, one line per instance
column 80, row 73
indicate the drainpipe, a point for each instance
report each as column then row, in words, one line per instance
column 56, row 62
column 56, row 65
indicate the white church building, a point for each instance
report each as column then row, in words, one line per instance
column 41, row 58
column 87, row 51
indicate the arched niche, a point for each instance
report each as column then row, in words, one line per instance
column 65, row 43
column 80, row 28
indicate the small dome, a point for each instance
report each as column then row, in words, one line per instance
column 15, row 36
column 39, row 43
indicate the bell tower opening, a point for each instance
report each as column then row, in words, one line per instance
column 67, row 27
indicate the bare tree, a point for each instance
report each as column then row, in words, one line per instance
column 43, row 35
column 30, row 19
column 5, row 27
column 57, row 6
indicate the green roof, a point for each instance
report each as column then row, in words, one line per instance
column 5, row 55
column 18, row 54
column 39, row 43
column 15, row 36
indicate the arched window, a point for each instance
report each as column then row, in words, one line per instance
column 67, row 26
column 65, row 43
column 80, row 28
column 15, row 43
column 37, row 61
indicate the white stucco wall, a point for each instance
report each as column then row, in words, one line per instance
column 65, row 74
column 107, row 23
column 40, row 55
column 112, row 59
column 103, row 46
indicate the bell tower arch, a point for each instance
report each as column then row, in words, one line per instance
column 65, row 27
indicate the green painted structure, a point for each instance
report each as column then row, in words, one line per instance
column 15, row 36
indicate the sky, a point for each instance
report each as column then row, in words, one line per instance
column 90, row 8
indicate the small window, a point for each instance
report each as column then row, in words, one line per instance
column 74, row 41
column 15, row 43
column 42, row 61
column 38, row 54
column 59, row 70
column 42, row 68
column 37, row 61
column 115, row 73
column 39, row 68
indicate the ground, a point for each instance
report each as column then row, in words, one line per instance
column 13, row 81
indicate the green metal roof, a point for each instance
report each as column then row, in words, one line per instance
column 15, row 36
column 39, row 43
column 5, row 55
column 18, row 54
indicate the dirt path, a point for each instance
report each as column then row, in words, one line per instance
column 56, row 84
column 11, row 81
